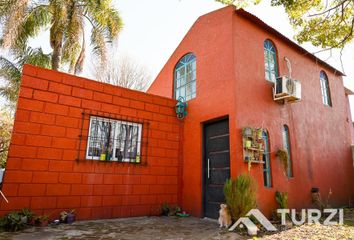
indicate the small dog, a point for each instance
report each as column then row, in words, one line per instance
column 224, row 216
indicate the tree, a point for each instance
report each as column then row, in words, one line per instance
column 328, row 24
column 124, row 72
column 23, row 19
column 6, row 122
column 10, row 71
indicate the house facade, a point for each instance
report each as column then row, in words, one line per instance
column 111, row 152
column 228, row 85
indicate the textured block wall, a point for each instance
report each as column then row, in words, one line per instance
column 47, row 170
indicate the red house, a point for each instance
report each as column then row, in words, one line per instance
column 111, row 152
column 226, row 68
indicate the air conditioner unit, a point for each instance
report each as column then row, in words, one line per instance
column 287, row 89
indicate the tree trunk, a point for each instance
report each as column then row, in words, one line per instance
column 56, row 57
column 80, row 61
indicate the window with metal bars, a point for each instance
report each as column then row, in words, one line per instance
column 114, row 140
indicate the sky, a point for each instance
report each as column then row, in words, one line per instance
column 154, row 28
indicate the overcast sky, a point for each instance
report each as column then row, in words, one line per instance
column 154, row 28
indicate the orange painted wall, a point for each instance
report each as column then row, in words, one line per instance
column 231, row 82
column 43, row 172
column 209, row 38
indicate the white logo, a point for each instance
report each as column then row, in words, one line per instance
column 313, row 216
column 251, row 227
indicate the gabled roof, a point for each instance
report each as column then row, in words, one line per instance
column 263, row 25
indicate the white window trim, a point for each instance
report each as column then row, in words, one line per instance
column 114, row 157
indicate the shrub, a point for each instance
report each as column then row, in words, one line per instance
column 240, row 195
column 282, row 199
column 16, row 220
column 13, row 221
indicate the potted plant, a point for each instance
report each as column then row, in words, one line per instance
column 260, row 133
column 283, row 156
column 103, row 154
column 165, row 209
column 44, row 220
column 247, row 132
column 248, row 144
column 68, row 217
column 41, row 221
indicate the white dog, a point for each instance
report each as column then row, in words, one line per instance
column 224, row 216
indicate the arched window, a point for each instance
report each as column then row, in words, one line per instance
column 267, row 175
column 185, row 77
column 326, row 95
column 286, row 144
column 270, row 61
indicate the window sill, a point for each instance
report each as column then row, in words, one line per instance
column 113, row 161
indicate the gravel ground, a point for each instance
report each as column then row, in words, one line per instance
column 174, row 228
column 314, row 232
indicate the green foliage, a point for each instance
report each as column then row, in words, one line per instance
column 16, row 220
column 282, row 199
column 240, row 195
column 328, row 24
column 24, row 19
column 283, row 156
column 167, row 210
column 239, row 3
column 6, row 123
column 10, row 71
column 324, row 24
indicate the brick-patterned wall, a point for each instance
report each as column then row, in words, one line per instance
column 47, row 173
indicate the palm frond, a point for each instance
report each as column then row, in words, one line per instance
column 13, row 19
column 72, row 36
column 35, row 57
column 106, row 24
column 12, row 76
column 99, row 43
column 36, row 18
column 9, row 70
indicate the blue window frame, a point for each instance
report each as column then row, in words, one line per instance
column 267, row 175
column 185, row 77
column 270, row 61
column 326, row 95
column 286, row 143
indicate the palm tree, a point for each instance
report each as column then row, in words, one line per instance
column 23, row 19
column 10, row 71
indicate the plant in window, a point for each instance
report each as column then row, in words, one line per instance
column 283, row 156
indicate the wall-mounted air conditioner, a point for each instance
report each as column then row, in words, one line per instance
column 287, row 89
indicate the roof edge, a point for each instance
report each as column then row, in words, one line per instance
column 243, row 13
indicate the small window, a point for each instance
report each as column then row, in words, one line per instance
column 326, row 95
column 267, row 175
column 286, row 143
column 113, row 140
column 185, row 78
column 270, row 61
